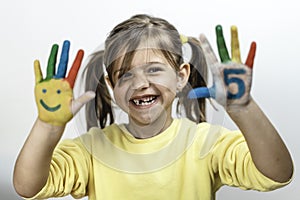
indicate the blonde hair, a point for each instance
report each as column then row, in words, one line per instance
column 158, row 35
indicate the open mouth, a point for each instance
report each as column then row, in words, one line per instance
column 144, row 101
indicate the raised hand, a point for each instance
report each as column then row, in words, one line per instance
column 54, row 94
column 231, row 79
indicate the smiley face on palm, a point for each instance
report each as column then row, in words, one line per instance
column 231, row 78
column 54, row 94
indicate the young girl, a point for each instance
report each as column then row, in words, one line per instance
column 154, row 155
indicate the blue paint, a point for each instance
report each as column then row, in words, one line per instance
column 240, row 83
column 202, row 92
column 63, row 63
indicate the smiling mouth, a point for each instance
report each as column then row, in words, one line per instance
column 51, row 109
column 144, row 101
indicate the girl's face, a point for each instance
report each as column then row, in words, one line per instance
column 147, row 88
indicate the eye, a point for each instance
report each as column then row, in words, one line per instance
column 44, row 90
column 58, row 91
column 125, row 76
column 154, row 69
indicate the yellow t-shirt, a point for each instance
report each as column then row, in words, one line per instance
column 186, row 161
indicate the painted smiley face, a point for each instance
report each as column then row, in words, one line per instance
column 54, row 96
column 50, row 109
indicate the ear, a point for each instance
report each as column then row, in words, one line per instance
column 183, row 75
column 107, row 80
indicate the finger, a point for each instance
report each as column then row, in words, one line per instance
column 200, row 92
column 52, row 62
column 64, row 58
column 75, row 67
column 235, row 46
column 223, row 53
column 251, row 55
column 209, row 54
column 37, row 72
column 80, row 101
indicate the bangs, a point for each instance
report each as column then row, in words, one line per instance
column 162, row 43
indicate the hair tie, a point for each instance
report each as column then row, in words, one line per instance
column 183, row 39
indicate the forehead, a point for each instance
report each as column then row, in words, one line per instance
column 140, row 57
column 144, row 56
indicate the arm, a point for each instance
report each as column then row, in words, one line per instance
column 268, row 151
column 33, row 163
column 232, row 84
column 54, row 98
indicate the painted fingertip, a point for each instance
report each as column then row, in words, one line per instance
column 219, row 29
column 79, row 56
column 36, row 62
column 67, row 43
column 233, row 28
column 81, row 52
column 54, row 47
column 66, row 47
column 250, row 59
column 219, row 32
column 253, row 45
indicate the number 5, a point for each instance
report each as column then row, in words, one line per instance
column 230, row 80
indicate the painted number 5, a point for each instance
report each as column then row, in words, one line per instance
column 235, row 80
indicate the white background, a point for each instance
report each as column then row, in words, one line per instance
column 29, row 28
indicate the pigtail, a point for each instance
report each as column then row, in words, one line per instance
column 195, row 109
column 99, row 110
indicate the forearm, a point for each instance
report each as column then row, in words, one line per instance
column 33, row 163
column 267, row 149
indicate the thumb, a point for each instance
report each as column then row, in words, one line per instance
column 80, row 101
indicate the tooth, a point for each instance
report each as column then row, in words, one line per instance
column 136, row 101
column 144, row 101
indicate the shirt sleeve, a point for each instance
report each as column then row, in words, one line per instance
column 69, row 171
column 232, row 164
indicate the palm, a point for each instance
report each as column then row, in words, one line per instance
column 231, row 79
column 54, row 94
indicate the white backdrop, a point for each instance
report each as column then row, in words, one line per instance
column 29, row 28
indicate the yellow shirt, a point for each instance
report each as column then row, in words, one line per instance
column 186, row 161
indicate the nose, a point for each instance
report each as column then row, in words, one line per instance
column 140, row 81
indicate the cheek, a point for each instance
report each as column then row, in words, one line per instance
column 168, row 82
column 120, row 96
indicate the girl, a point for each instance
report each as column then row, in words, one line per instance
column 154, row 155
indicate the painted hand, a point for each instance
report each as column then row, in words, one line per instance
column 231, row 79
column 54, row 94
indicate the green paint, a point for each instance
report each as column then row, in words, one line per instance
column 223, row 53
column 51, row 109
column 52, row 62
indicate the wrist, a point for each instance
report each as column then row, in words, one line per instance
column 50, row 127
column 241, row 108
